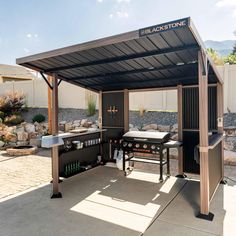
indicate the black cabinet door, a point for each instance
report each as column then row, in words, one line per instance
column 110, row 101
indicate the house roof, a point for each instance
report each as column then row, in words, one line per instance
column 15, row 72
column 164, row 55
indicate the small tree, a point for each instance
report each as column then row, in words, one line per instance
column 218, row 60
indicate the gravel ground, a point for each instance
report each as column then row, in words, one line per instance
column 21, row 173
column 160, row 118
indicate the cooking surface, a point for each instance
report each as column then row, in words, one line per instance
column 146, row 135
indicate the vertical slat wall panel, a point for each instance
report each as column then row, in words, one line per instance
column 191, row 108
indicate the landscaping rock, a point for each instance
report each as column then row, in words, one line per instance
column 1, row 144
column 22, row 143
column 22, row 136
column 77, row 122
column 68, row 126
column 175, row 137
column 33, row 135
column 36, row 142
column 9, row 137
column 10, row 129
column 150, row 126
column 83, row 121
column 174, row 128
column 20, row 152
column 87, row 124
column 29, row 128
column 163, row 128
column 230, row 130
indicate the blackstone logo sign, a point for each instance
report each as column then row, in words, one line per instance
column 164, row 27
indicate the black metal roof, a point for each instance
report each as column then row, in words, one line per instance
column 163, row 55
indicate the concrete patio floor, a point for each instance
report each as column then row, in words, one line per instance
column 102, row 201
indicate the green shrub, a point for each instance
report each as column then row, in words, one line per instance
column 1, row 120
column 91, row 103
column 2, row 114
column 38, row 118
column 13, row 119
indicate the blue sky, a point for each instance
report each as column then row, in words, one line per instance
column 31, row 26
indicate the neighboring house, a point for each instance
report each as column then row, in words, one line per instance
column 14, row 73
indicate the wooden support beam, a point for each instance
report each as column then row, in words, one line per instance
column 100, row 110
column 180, row 128
column 49, row 106
column 220, row 121
column 55, row 160
column 203, row 127
column 126, row 110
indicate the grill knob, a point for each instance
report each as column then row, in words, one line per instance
column 137, row 145
column 153, row 147
column 130, row 144
column 125, row 144
column 144, row 146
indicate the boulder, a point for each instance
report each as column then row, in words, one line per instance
column 68, row 127
column 163, row 128
column 83, row 121
column 22, row 143
column 20, row 129
column 33, row 135
column 87, row 124
column 35, row 142
column 1, row 144
column 174, row 128
column 22, row 136
column 29, row 128
column 175, row 137
column 77, row 122
column 150, row 126
column 9, row 137
column 10, row 129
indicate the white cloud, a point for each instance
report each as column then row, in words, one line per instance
column 123, row 14
column 226, row 3
column 99, row 1
column 119, row 14
column 29, row 35
column 121, row 1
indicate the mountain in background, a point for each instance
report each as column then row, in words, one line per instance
column 223, row 48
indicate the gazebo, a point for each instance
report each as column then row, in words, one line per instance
column 161, row 57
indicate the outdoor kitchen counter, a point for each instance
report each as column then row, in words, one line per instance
column 57, row 140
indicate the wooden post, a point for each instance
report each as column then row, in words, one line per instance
column 220, row 123
column 49, row 106
column 203, row 127
column 126, row 110
column 100, row 110
column 55, row 161
column 180, row 129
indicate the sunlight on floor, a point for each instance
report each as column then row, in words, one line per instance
column 230, row 207
column 117, row 211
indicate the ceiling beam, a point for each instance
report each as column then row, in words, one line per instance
column 123, row 58
column 130, row 72
column 145, row 81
